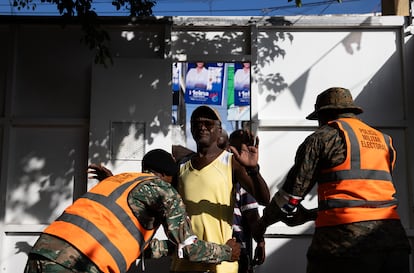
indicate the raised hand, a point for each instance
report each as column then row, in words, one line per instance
column 98, row 172
column 248, row 156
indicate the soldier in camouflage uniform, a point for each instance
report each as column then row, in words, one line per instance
column 153, row 202
column 357, row 225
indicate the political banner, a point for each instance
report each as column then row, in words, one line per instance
column 204, row 83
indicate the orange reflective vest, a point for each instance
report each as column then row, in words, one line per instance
column 360, row 188
column 102, row 226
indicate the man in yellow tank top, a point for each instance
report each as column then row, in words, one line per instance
column 206, row 184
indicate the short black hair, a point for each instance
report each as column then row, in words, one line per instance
column 160, row 161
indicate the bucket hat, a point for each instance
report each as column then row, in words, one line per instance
column 334, row 98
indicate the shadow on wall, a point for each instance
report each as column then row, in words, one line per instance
column 273, row 82
column 45, row 173
column 48, row 162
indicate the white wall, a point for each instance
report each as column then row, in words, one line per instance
column 45, row 131
column 130, row 112
column 368, row 62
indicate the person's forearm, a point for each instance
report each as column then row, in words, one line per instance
column 200, row 251
column 312, row 214
column 158, row 249
column 207, row 252
column 261, row 190
column 272, row 213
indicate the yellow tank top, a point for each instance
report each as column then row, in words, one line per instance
column 209, row 199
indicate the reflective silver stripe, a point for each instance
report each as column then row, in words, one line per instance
column 110, row 203
column 99, row 236
column 118, row 213
column 391, row 151
column 344, row 203
column 355, row 150
column 120, row 190
column 355, row 174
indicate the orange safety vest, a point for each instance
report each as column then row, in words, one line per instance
column 360, row 188
column 102, row 226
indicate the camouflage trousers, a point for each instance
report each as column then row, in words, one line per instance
column 39, row 264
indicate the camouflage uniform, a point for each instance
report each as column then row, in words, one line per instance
column 154, row 203
column 334, row 244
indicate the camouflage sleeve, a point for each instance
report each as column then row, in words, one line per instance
column 202, row 251
column 324, row 148
column 272, row 213
column 158, row 249
column 198, row 251
column 177, row 227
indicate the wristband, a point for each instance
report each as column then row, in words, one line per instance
column 287, row 202
column 189, row 241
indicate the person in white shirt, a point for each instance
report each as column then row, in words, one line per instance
column 242, row 77
column 197, row 77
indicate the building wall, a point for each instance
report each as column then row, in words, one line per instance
column 59, row 111
column 367, row 61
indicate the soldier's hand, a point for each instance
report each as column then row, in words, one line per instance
column 235, row 249
column 300, row 216
column 98, row 172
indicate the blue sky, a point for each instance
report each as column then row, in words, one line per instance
column 265, row 7
column 222, row 8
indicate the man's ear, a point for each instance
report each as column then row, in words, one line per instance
column 166, row 178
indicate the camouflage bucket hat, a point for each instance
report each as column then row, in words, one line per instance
column 335, row 98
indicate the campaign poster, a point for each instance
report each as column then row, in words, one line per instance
column 242, row 84
column 176, row 75
column 204, row 83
